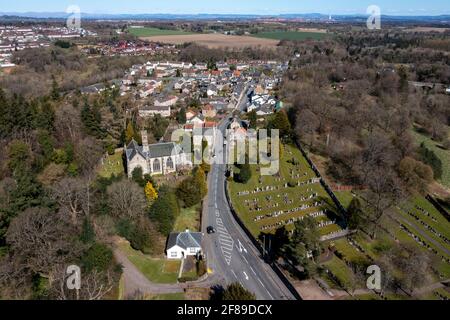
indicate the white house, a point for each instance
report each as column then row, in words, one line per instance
column 183, row 244
column 148, row 111
column 166, row 101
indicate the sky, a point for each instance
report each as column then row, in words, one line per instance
column 389, row 7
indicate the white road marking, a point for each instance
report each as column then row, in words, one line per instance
column 234, row 273
column 246, row 276
column 253, row 270
column 245, row 260
column 241, row 247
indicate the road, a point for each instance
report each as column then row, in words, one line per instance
column 231, row 255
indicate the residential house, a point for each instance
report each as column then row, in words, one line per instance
column 209, row 111
column 166, row 101
column 183, row 244
column 148, row 111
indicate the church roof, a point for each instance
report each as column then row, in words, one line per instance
column 157, row 150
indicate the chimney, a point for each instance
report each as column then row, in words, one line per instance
column 144, row 141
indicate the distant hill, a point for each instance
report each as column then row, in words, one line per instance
column 204, row 16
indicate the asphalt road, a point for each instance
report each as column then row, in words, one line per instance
column 231, row 255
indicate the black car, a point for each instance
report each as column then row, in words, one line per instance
column 210, row 230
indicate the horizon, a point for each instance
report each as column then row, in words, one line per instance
column 232, row 7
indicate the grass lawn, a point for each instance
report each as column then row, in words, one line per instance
column 113, row 164
column 350, row 252
column 151, row 32
column 267, row 200
column 344, row 197
column 155, row 269
column 291, row 35
column 189, row 218
column 340, row 271
column 442, row 154
column 167, row 296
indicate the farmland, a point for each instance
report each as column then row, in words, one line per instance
column 260, row 210
column 151, row 32
column 291, row 35
column 213, row 40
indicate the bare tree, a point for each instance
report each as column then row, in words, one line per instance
column 94, row 285
column 126, row 199
column 39, row 240
column 72, row 197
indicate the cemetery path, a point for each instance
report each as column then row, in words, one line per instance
column 229, row 252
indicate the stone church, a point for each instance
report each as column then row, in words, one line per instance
column 156, row 159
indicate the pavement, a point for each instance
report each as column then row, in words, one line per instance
column 231, row 256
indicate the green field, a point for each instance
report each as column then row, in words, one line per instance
column 444, row 155
column 189, row 218
column 291, row 35
column 152, row 32
column 270, row 201
column 156, row 270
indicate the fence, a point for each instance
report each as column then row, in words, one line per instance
column 438, row 207
column 330, row 192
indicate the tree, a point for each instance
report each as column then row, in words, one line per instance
column 98, row 257
column 200, row 181
column 236, row 291
column 253, row 118
column 245, row 174
column 281, row 122
column 188, row 192
column 91, row 119
column 429, row 157
column 150, row 192
column 71, row 195
column 164, row 210
column 415, row 174
column 126, row 199
column 355, row 215
column 129, row 133
column 305, row 241
column 39, row 240
column 181, row 116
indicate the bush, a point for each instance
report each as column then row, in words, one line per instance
column 244, row 175
column 430, row 158
column 201, row 268
column 188, row 192
column 99, row 257
column 165, row 210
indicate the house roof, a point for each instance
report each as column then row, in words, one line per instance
column 185, row 240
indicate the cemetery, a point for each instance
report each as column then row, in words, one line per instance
column 266, row 203
column 360, row 250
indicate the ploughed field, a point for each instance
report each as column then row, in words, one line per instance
column 213, row 40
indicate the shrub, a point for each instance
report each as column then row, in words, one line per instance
column 99, row 257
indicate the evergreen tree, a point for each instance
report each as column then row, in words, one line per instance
column 236, row 291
